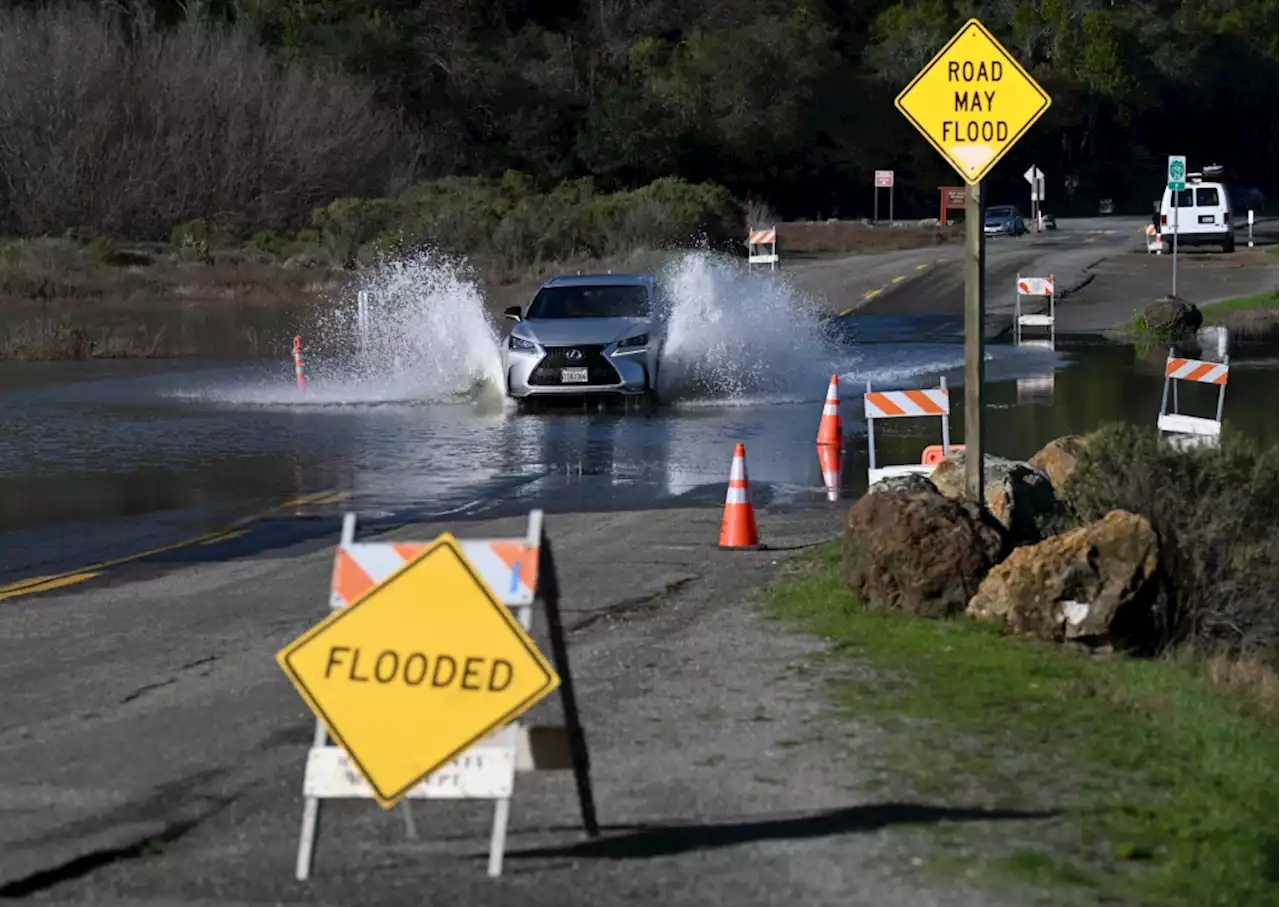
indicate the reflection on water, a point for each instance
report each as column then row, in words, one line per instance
column 100, row 441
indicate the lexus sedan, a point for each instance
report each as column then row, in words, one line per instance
column 597, row 334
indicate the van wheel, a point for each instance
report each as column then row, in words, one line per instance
column 1229, row 245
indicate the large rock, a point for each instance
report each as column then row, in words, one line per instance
column 907, row 483
column 917, row 552
column 1057, row 460
column 1020, row 496
column 1092, row 584
column 1172, row 316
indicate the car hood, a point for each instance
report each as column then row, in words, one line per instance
column 568, row 331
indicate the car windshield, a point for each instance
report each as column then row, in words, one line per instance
column 1000, row 212
column 618, row 301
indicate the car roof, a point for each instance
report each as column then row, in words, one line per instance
column 597, row 280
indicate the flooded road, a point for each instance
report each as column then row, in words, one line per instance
column 102, row 460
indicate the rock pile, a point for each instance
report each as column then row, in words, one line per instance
column 916, row 545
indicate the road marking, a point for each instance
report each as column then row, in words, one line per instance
column 234, row 534
column 921, row 267
column 49, row 583
column 899, row 279
column 1090, row 238
column 870, row 293
column 80, row 574
column 841, row 314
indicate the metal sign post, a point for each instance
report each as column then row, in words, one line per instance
column 973, row 101
column 1035, row 176
column 884, row 180
column 1177, row 179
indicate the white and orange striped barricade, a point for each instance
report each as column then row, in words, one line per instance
column 756, row 239
column 520, row 572
column 1184, row 430
column 1033, row 286
column 932, row 402
column 1155, row 242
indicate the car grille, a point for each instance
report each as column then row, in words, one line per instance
column 599, row 369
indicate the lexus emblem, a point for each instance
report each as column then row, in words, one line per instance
column 574, row 355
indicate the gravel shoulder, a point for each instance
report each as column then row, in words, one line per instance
column 152, row 751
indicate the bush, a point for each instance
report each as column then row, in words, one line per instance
column 1215, row 513
column 192, row 241
column 114, row 122
column 509, row 223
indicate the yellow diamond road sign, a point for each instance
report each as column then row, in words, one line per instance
column 417, row 670
column 973, row 101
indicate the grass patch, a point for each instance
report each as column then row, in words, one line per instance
column 846, row 237
column 1269, row 300
column 1167, row 783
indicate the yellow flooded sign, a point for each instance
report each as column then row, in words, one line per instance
column 417, row 670
column 973, row 101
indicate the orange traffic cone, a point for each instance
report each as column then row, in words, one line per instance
column 738, row 528
column 830, row 429
column 297, row 364
column 829, row 459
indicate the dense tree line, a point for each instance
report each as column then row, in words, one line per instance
column 134, row 116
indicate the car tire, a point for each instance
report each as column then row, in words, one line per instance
column 1229, row 246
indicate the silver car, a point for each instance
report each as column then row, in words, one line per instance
column 586, row 334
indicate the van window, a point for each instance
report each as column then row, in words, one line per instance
column 1182, row 199
column 1207, row 197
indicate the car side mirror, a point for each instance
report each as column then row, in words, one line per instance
column 513, row 312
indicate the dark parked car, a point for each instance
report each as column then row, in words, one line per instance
column 1004, row 219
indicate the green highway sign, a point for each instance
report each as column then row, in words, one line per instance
column 1177, row 172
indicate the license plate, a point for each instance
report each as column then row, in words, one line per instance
column 573, row 375
column 1206, row 218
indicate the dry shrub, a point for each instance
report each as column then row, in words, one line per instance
column 1249, row 682
column 1215, row 513
column 110, row 121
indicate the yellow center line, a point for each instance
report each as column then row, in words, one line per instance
column 48, row 584
column 921, row 267
column 233, row 534
column 899, row 279
column 870, row 293
column 844, row 312
column 40, row 583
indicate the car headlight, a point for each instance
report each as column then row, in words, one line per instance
column 520, row 345
column 635, row 342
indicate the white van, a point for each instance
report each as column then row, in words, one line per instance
column 1204, row 215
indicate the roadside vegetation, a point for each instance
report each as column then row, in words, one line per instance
column 1158, row 761
column 1253, row 317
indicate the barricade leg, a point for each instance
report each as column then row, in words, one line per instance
column 502, row 806
column 310, row 819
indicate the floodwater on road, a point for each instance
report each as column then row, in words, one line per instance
column 104, row 459
column 108, row 457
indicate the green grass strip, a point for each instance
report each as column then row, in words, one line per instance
column 1167, row 785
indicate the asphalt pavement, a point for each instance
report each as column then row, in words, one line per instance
column 152, row 750
column 1101, row 269
column 931, row 281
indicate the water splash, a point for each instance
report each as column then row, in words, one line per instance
column 428, row 332
column 739, row 337
column 428, row 339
